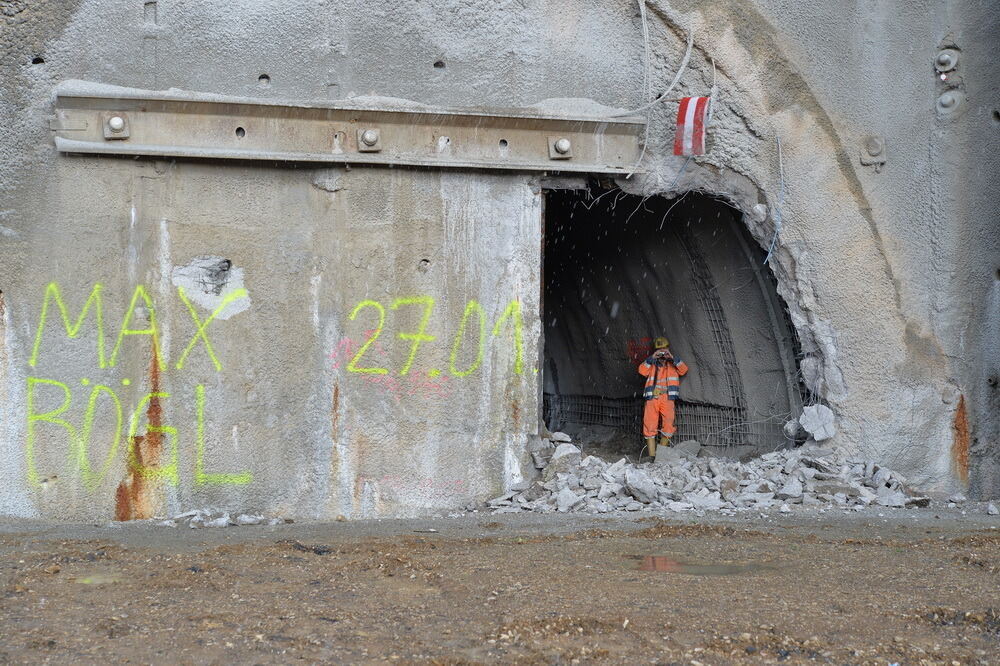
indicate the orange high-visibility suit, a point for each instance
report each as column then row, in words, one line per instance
column 663, row 385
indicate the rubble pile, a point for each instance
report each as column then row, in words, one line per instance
column 681, row 480
column 207, row 518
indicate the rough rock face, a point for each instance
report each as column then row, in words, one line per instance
column 682, row 481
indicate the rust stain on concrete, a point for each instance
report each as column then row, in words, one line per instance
column 134, row 495
column 335, row 408
column 960, row 444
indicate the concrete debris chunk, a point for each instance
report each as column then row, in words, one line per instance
column 791, row 490
column 197, row 518
column 609, row 489
column 249, row 519
column 677, row 481
column 616, row 471
column 221, row 521
column 561, row 437
column 818, row 421
column 567, row 500
column 567, row 453
column 689, row 446
column 640, row 485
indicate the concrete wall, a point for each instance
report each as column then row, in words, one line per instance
column 890, row 275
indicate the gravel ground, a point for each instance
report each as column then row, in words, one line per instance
column 906, row 586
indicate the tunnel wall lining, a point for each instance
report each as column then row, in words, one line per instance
column 890, row 276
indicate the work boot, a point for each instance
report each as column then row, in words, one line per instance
column 664, row 441
column 651, row 446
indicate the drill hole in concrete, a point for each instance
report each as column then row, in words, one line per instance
column 996, row 115
column 38, row 60
column 439, row 64
column 619, row 270
column 240, row 132
column 424, row 265
column 263, row 80
column 503, row 143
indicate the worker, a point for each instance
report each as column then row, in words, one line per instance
column 663, row 372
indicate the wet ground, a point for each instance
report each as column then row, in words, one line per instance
column 904, row 587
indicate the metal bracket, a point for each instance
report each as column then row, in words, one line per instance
column 203, row 126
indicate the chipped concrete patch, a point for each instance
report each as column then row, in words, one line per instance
column 210, row 281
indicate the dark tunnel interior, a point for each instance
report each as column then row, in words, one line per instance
column 619, row 270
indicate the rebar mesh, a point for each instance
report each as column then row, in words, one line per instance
column 711, row 425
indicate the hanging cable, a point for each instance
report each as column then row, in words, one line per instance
column 677, row 77
column 781, row 201
column 711, row 94
column 646, row 83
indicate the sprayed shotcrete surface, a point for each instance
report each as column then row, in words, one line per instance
column 276, row 399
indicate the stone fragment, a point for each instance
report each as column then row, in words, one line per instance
column 992, row 510
column 834, row 488
column 567, row 500
column 534, row 492
column 639, row 485
column 616, row 471
column 958, row 498
column 503, row 499
column 818, row 421
column 729, row 488
column 666, row 455
column 249, row 519
column 710, row 501
column 688, row 446
column 890, row 497
column 609, row 489
column 792, row 489
column 566, row 458
column 221, row 521
column 561, row 437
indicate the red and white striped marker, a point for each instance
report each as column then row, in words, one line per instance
column 690, row 136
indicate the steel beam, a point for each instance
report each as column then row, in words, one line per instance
column 123, row 121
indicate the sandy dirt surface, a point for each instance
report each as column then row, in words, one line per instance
column 913, row 587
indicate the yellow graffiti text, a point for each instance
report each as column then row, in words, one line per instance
column 201, row 477
column 140, row 292
column 52, row 294
column 473, row 311
column 79, row 439
column 420, row 335
column 470, row 308
column 513, row 311
column 234, row 295
column 353, row 365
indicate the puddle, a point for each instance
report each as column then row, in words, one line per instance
column 664, row 564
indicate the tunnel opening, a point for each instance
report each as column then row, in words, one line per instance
column 620, row 270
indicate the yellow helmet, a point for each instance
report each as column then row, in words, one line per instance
column 661, row 343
